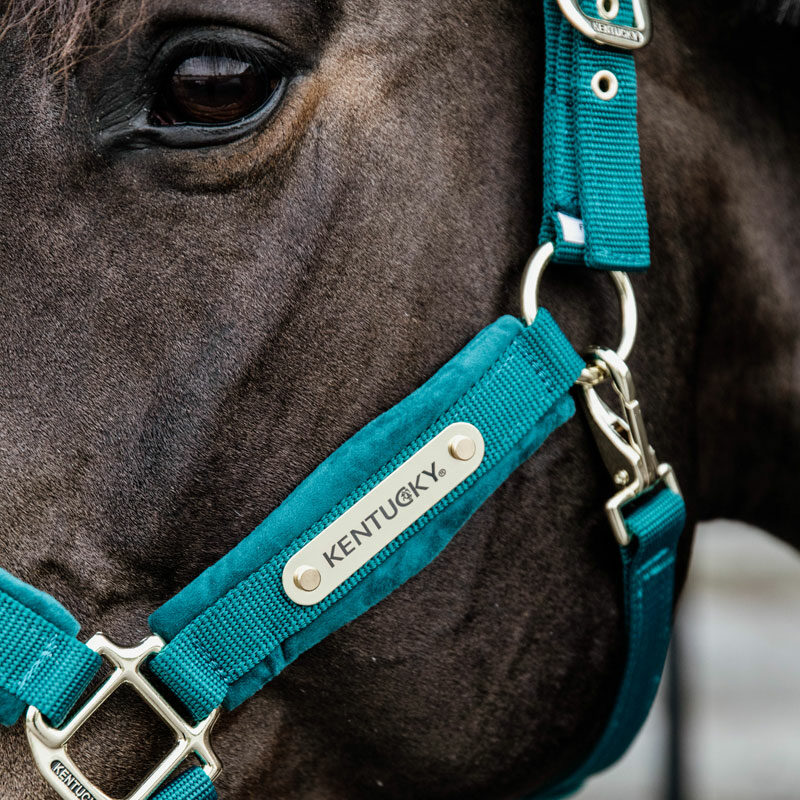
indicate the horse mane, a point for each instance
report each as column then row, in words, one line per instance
column 784, row 12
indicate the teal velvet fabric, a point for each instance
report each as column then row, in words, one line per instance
column 406, row 562
column 11, row 708
column 337, row 474
column 39, row 602
column 531, row 370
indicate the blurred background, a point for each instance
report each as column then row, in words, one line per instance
column 726, row 723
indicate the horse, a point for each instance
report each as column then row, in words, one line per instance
column 194, row 317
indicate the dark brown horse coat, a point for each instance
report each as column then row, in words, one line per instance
column 187, row 331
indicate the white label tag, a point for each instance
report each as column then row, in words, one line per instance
column 395, row 504
column 571, row 228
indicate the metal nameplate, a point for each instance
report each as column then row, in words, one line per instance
column 396, row 503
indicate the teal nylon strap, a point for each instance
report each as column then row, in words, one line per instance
column 592, row 170
column 226, row 644
column 649, row 581
column 193, row 784
column 41, row 662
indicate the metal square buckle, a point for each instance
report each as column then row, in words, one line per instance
column 604, row 30
column 49, row 744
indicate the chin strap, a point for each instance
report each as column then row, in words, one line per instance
column 384, row 504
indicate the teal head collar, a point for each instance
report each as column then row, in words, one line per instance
column 386, row 502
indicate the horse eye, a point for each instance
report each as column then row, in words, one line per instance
column 214, row 89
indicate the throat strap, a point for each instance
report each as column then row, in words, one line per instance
column 648, row 575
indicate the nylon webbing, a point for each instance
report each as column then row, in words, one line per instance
column 193, row 784
column 592, row 171
column 648, row 565
column 42, row 662
column 229, row 639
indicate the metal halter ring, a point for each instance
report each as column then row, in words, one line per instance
column 529, row 295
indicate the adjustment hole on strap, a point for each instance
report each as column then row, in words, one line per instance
column 605, row 84
column 608, row 9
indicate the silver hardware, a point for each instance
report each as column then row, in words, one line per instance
column 621, row 477
column 605, row 32
column 462, row 447
column 622, row 439
column 406, row 494
column 307, row 578
column 529, row 296
column 49, row 744
column 608, row 9
column 605, row 84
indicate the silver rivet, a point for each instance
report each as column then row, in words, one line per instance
column 621, row 477
column 605, row 84
column 307, row 578
column 462, row 448
column 608, row 9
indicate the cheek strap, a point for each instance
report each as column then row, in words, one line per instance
column 593, row 202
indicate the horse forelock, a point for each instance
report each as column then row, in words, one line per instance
column 60, row 30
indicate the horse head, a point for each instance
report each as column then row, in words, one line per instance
column 205, row 294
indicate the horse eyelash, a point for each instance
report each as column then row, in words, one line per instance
column 207, row 49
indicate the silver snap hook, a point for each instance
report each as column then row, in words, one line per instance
column 529, row 296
